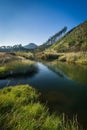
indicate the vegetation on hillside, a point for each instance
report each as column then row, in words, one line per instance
column 52, row 40
column 71, row 48
column 20, row 109
column 75, row 40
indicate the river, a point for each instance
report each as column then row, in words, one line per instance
column 63, row 85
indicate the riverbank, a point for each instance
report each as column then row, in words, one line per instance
column 12, row 64
column 78, row 57
column 20, row 108
column 71, row 57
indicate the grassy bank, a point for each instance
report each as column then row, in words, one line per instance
column 47, row 55
column 72, row 57
column 17, row 68
column 79, row 57
column 13, row 65
column 20, row 109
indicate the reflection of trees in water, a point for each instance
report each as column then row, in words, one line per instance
column 73, row 71
column 55, row 69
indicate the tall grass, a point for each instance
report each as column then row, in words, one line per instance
column 71, row 57
column 20, row 109
column 26, row 55
column 79, row 57
column 7, row 57
column 18, row 67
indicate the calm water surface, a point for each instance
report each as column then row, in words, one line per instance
column 63, row 85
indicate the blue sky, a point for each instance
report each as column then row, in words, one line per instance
column 25, row 21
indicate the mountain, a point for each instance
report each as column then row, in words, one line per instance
column 30, row 46
column 75, row 40
column 17, row 47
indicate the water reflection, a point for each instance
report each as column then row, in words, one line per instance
column 64, row 86
column 73, row 71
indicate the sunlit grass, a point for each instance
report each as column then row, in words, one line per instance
column 17, row 67
column 79, row 57
column 20, row 109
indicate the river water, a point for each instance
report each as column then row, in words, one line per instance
column 63, row 85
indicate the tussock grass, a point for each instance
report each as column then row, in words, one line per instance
column 47, row 55
column 79, row 57
column 20, row 109
column 26, row 55
column 12, row 65
column 7, row 57
column 71, row 57
column 18, row 67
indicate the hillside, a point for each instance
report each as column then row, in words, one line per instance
column 75, row 40
column 52, row 39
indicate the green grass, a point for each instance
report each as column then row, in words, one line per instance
column 18, row 67
column 20, row 109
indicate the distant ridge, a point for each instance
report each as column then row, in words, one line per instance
column 30, row 46
column 18, row 47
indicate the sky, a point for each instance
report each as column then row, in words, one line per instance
column 34, row 21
